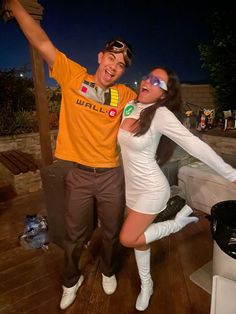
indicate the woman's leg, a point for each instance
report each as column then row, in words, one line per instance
column 143, row 260
column 160, row 230
column 139, row 230
column 133, row 228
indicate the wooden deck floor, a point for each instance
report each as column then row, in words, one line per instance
column 30, row 279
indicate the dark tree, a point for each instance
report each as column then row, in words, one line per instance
column 17, row 102
column 16, row 91
column 219, row 57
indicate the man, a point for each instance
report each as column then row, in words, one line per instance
column 90, row 115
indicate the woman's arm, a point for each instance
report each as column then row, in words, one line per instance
column 166, row 123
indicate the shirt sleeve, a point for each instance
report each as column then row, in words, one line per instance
column 167, row 124
column 127, row 94
column 64, row 69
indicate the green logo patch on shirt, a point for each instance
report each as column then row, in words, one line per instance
column 128, row 110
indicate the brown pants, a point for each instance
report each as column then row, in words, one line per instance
column 82, row 189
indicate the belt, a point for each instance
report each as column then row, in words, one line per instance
column 92, row 169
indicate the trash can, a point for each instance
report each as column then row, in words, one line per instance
column 223, row 296
column 223, row 227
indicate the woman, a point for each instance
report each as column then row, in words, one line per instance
column 145, row 121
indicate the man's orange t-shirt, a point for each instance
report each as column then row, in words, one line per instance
column 87, row 129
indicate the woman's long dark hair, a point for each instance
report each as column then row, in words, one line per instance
column 173, row 101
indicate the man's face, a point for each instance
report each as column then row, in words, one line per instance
column 111, row 67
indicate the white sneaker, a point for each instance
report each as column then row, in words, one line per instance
column 109, row 284
column 69, row 294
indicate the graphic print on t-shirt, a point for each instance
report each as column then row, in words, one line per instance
column 109, row 97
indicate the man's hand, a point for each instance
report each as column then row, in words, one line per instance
column 27, row 13
column 2, row 5
column 31, row 6
column 5, row 12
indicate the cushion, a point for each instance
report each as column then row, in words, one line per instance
column 203, row 187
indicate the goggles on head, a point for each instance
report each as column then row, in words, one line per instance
column 118, row 46
column 155, row 81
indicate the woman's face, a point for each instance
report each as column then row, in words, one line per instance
column 153, row 86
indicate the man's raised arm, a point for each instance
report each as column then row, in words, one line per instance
column 33, row 31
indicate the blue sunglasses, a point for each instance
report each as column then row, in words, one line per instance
column 155, row 81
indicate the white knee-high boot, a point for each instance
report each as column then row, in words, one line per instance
column 143, row 263
column 162, row 229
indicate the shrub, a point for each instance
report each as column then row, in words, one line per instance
column 17, row 104
column 12, row 123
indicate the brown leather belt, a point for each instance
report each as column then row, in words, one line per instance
column 92, row 169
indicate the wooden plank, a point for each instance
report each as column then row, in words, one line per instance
column 31, row 3
column 22, row 167
column 29, row 303
column 38, row 283
column 18, row 162
column 27, row 159
column 9, row 165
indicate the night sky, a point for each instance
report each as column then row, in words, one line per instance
column 161, row 32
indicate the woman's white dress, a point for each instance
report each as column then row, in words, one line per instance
column 147, row 188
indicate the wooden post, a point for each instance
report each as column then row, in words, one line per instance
column 41, row 106
column 36, row 10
